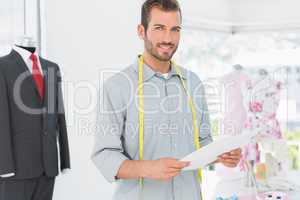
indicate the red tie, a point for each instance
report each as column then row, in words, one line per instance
column 37, row 75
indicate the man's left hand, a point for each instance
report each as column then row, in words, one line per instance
column 230, row 159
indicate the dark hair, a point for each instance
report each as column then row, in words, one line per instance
column 165, row 5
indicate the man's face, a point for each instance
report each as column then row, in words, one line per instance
column 162, row 37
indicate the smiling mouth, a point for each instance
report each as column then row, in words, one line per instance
column 166, row 47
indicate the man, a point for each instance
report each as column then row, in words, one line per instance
column 145, row 164
column 31, row 119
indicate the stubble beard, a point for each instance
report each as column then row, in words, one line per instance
column 150, row 48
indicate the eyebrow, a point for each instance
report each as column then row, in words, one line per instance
column 158, row 25
column 161, row 25
column 177, row 27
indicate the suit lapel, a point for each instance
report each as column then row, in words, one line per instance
column 24, row 69
column 46, row 82
column 15, row 57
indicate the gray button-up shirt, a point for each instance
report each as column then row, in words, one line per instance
column 168, row 130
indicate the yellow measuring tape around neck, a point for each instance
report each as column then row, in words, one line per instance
column 141, row 112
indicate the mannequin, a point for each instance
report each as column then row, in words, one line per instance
column 27, row 43
column 263, row 104
column 262, row 101
column 32, row 124
column 234, row 84
column 234, row 111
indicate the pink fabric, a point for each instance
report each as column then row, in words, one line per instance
column 250, row 105
column 255, row 107
column 263, row 104
column 235, row 113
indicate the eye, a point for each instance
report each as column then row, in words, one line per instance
column 176, row 30
column 159, row 28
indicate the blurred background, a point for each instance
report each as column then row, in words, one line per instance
column 91, row 40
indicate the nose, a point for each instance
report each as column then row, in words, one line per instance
column 167, row 37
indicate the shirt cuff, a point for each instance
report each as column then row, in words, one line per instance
column 65, row 171
column 109, row 163
column 7, row 175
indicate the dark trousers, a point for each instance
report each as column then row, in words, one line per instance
column 30, row 189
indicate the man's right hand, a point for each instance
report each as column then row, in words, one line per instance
column 163, row 169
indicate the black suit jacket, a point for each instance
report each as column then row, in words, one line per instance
column 30, row 126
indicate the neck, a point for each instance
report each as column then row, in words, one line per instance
column 155, row 64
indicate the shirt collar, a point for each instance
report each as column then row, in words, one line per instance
column 24, row 53
column 149, row 72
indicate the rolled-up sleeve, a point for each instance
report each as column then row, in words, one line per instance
column 108, row 153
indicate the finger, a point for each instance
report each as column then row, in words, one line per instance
column 180, row 165
column 229, row 161
column 236, row 151
column 231, row 158
column 176, row 167
column 230, row 165
column 173, row 170
column 235, row 154
column 226, row 153
column 225, row 156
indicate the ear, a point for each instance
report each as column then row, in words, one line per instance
column 141, row 31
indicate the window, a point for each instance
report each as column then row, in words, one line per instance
column 213, row 54
column 18, row 18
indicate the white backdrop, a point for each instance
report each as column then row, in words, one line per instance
column 85, row 37
column 12, row 22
